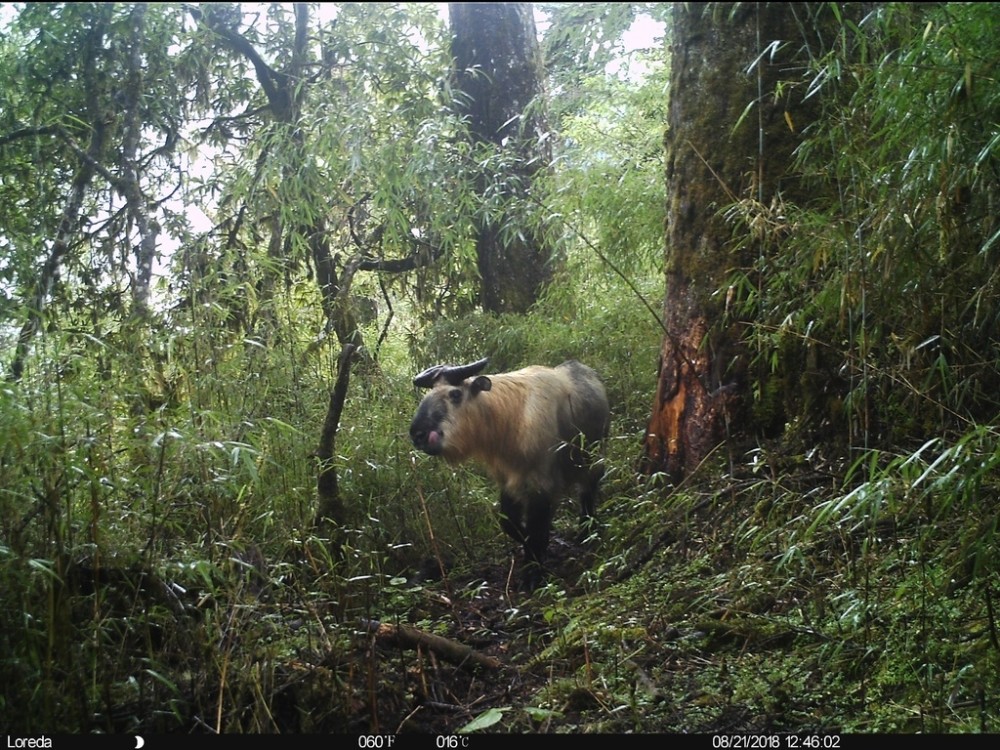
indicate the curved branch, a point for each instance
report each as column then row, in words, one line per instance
column 276, row 84
column 16, row 135
column 424, row 254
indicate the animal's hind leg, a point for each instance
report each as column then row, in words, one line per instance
column 589, row 493
column 587, row 475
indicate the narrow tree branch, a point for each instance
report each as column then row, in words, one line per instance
column 28, row 133
column 424, row 255
column 89, row 159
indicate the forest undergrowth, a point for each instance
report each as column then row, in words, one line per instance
column 165, row 579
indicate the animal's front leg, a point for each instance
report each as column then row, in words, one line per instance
column 511, row 512
column 537, row 528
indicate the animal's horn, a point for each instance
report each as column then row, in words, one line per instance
column 452, row 374
column 427, row 377
column 455, row 375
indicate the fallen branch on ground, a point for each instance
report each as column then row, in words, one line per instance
column 449, row 650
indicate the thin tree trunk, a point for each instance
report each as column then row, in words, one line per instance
column 330, row 516
column 69, row 221
column 145, row 251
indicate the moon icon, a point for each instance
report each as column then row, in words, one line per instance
column 139, row 742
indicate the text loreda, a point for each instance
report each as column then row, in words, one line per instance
column 24, row 742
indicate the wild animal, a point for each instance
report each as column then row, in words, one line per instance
column 536, row 431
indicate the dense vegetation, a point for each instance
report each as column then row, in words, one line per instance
column 834, row 568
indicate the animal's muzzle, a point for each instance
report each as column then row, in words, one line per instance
column 427, row 440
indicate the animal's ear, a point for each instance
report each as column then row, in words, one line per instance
column 482, row 383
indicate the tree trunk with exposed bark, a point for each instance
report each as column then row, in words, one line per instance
column 729, row 138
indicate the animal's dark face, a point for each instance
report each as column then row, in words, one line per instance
column 428, row 429
column 439, row 415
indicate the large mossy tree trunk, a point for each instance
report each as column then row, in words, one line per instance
column 729, row 138
column 498, row 65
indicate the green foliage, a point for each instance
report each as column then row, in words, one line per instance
column 869, row 607
column 884, row 295
column 608, row 189
column 890, row 579
column 180, row 490
column 583, row 41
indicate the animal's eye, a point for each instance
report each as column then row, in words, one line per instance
column 455, row 396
